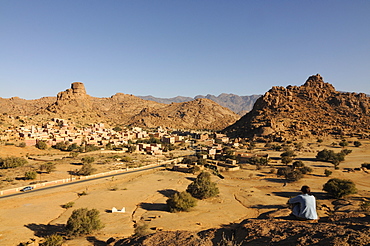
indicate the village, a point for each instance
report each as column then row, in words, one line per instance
column 204, row 144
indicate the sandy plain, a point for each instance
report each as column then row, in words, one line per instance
column 247, row 193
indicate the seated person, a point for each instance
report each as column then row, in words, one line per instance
column 304, row 205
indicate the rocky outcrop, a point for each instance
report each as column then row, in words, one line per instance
column 196, row 114
column 313, row 109
column 72, row 100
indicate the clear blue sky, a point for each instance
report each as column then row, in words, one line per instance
column 167, row 48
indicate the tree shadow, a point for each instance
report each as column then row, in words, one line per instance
column 306, row 159
column 190, row 178
column 327, row 166
column 276, row 180
column 95, row 241
column 154, row 206
column 77, row 163
column 317, row 175
column 42, row 230
column 167, row 192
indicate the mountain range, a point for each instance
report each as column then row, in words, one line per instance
column 238, row 104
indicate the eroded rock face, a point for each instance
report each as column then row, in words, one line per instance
column 313, row 109
column 72, row 100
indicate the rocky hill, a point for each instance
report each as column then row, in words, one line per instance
column 313, row 109
column 239, row 104
column 120, row 109
column 196, row 114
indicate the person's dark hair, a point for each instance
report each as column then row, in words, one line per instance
column 306, row 190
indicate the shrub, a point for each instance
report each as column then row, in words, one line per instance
column 327, row 172
column 68, row 205
column 339, row 188
column 48, row 167
column 12, row 162
column 83, row 221
column 142, row 230
column 89, row 148
column 84, row 193
column 30, row 175
column 73, row 154
column 202, row 187
column 294, row 175
column 305, row 170
column 61, row 145
column 181, row 201
column 287, row 157
column 126, row 159
column 298, row 164
column 346, row 151
column 343, row 143
column 41, row 145
column 262, row 161
column 117, row 129
column 86, row 169
column 22, row 144
column 53, row 240
column 88, row 159
column 357, row 143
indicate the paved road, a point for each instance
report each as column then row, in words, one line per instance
column 77, row 182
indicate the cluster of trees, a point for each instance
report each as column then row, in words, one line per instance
column 12, row 162
column 294, row 172
column 201, row 188
column 287, row 156
column 332, row 157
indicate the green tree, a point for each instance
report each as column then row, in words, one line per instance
column 30, row 175
column 12, row 162
column 287, row 156
column 181, row 201
column 343, row 143
column 61, row 145
column 330, row 156
column 86, row 169
column 41, row 145
column 47, row 167
column 202, row 187
column 298, row 164
column 339, row 188
column 327, row 172
column 83, row 221
column 88, row 159
column 72, row 147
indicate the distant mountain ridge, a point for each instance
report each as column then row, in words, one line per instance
column 238, row 104
column 120, row 109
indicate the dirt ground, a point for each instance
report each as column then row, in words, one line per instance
column 244, row 194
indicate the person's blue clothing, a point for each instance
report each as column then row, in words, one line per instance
column 306, row 207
